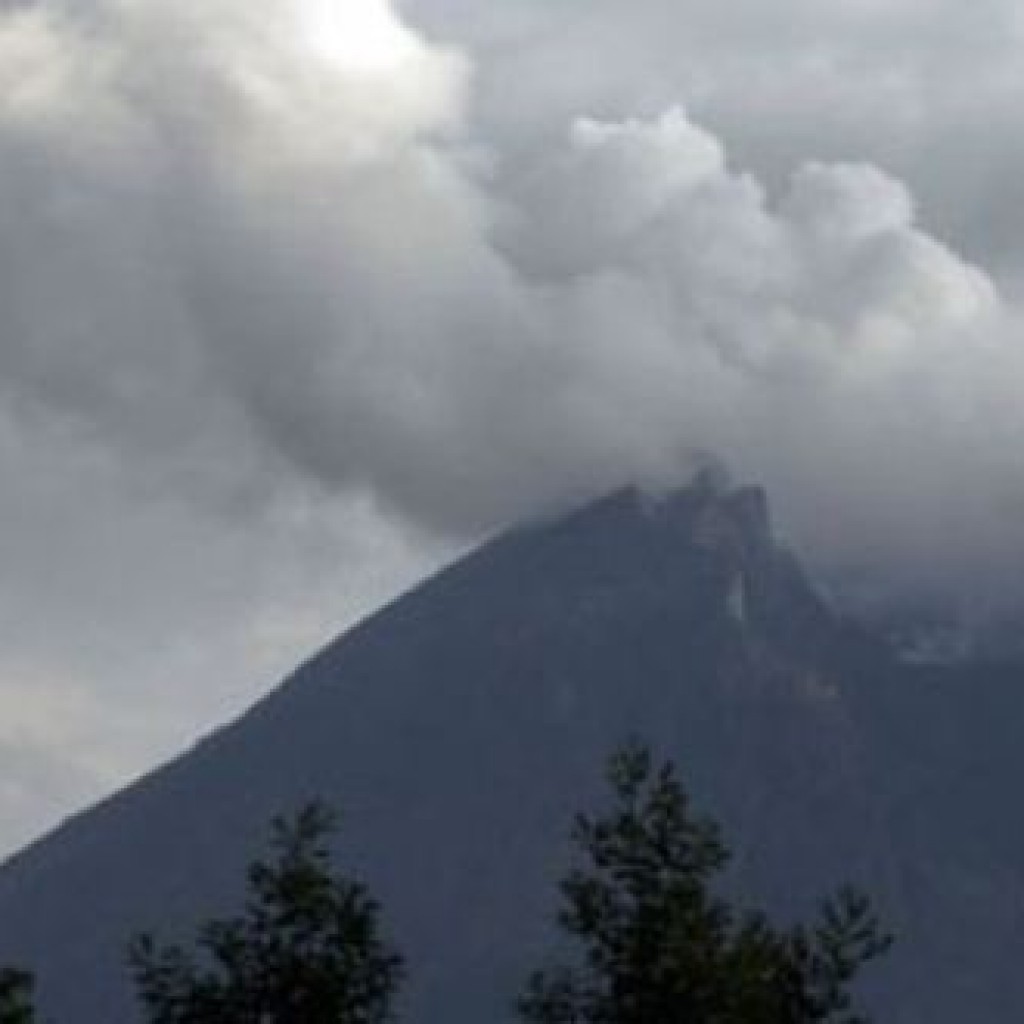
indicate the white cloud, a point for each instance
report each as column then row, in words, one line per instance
column 929, row 91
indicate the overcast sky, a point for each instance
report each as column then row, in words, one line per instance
column 299, row 298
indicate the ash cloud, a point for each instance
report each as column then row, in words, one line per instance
column 243, row 248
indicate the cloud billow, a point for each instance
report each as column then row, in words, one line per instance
column 266, row 244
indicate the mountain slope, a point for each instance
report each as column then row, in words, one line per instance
column 460, row 727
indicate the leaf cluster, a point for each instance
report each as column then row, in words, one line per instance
column 657, row 946
column 16, row 988
column 306, row 950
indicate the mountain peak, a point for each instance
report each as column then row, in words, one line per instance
column 460, row 727
column 709, row 512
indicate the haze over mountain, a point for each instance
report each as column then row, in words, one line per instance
column 460, row 727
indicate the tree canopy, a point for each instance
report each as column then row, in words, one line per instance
column 655, row 945
column 16, row 1006
column 306, row 950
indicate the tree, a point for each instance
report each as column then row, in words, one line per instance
column 16, row 996
column 306, row 950
column 656, row 946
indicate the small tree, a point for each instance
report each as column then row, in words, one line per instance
column 657, row 947
column 16, row 996
column 305, row 951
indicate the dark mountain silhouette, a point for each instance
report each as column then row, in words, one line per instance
column 459, row 728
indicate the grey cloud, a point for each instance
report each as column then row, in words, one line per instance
column 929, row 91
column 133, row 620
column 276, row 260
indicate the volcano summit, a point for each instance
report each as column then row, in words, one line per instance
column 459, row 728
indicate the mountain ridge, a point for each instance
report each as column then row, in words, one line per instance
column 459, row 727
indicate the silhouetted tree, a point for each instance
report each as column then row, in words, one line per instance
column 656, row 946
column 16, row 1006
column 305, row 951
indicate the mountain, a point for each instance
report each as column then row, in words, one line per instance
column 460, row 727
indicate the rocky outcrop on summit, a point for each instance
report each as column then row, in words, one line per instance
column 459, row 728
